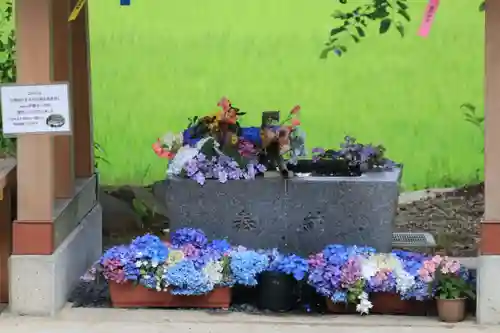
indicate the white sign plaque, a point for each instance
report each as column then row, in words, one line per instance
column 35, row 109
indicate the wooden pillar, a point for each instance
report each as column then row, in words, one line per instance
column 42, row 49
column 81, row 92
column 490, row 228
column 63, row 144
column 7, row 187
column 35, row 153
column 488, row 300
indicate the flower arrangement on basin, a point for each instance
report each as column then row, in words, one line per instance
column 217, row 147
column 351, row 159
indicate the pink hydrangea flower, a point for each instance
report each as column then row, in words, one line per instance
column 190, row 250
column 445, row 265
column 316, row 260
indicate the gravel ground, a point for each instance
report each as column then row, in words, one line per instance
column 452, row 217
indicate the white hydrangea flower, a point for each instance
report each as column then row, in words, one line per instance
column 388, row 261
column 376, row 262
column 364, row 305
column 404, row 281
column 213, row 271
column 184, row 155
column 368, row 268
column 141, row 263
column 170, row 139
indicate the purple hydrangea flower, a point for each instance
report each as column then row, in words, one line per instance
column 184, row 236
column 222, row 168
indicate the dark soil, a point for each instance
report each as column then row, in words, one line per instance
column 453, row 218
column 332, row 168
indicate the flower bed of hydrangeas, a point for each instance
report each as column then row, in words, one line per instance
column 191, row 265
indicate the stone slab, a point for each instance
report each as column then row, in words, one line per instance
column 69, row 212
column 488, row 293
column 299, row 215
column 40, row 284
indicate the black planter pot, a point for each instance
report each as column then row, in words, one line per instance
column 277, row 292
column 335, row 168
column 310, row 300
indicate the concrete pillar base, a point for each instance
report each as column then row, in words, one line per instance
column 488, row 291
column 40, row 284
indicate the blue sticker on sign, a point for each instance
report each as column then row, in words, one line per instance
column 125, row 2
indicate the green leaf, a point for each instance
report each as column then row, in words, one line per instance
column 355, row 38
column 338, row 14
column 482, row 6
column 402, row 4
column 405, row 14
column 400, row 28
column 469, row 107
column 325, row 52
column 385, row 24
column 360, row 31
column 336, row 31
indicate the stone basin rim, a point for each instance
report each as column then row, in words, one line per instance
column 375, row 176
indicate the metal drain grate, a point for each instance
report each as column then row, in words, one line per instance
column 413, row 239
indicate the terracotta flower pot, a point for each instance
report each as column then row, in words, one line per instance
column 451, row 310
column 340, row 308
column 391, row 303
column 128, row 295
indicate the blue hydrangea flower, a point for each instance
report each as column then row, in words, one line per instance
column 339, row 297
column 290, row 264
column 246, row 265
column 337, row 254
column 184, row 279
column 219, row 245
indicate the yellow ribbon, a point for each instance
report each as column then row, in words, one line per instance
column 78, row 7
